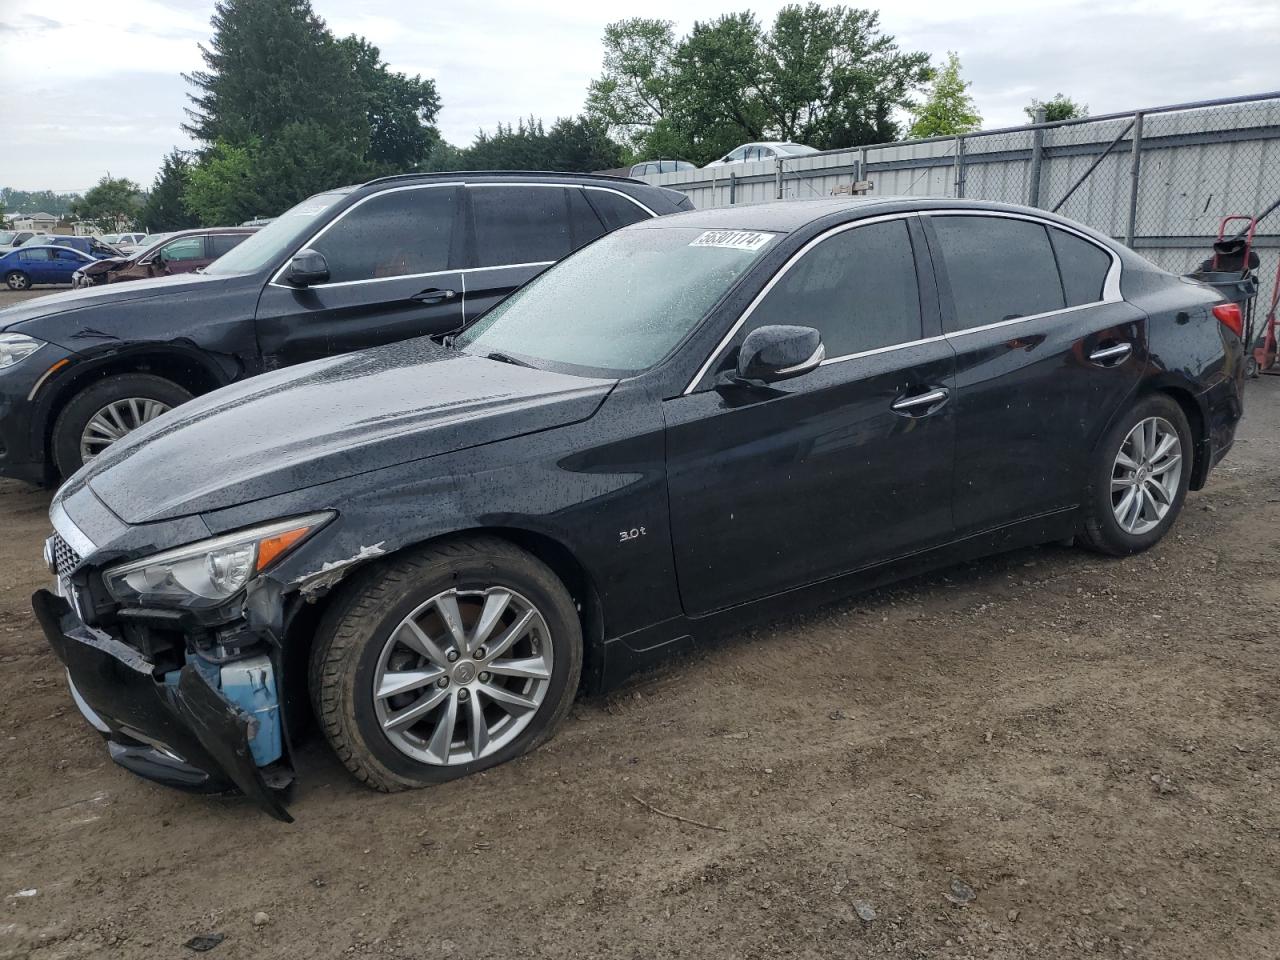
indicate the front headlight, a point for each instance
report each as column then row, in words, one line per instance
column 209, row 572
column 15, row 347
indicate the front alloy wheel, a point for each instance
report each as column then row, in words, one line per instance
column 114, row 421
column 462, row 675
column 443, row 660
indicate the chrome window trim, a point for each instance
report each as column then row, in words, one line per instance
column 782, row 271
column 579, row 186
column 1110, row 287
column 274, row 281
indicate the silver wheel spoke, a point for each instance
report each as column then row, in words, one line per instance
column 511, row 702
column 1124, row 484
column 447, row 606
column 478, row 729
column 1166, row 465
column 442, row 736
column 401, row 681
column 1158, row 489
column 495, row 605
column 416, row 639
column 512, row 634
column 529, row 668
column 416, row 711
column 1126, row 461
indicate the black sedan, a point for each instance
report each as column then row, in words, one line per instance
column 688, row 423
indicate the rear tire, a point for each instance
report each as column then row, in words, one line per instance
column 17, row 280
column 1136, row 486
column 357, row 656
column 69, row 429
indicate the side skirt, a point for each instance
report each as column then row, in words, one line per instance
column 650, row 646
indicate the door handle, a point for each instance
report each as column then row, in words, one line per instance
column 1110, row 356
column 434, row 295
column 920, row 403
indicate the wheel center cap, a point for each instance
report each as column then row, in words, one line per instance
column 464, row 672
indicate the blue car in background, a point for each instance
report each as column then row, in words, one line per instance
column 22, row 268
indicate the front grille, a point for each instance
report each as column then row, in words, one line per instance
column 65, row 560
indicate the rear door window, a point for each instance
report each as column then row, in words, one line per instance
column 999, row 269
column 1083, row 265
column 220, row 243
column 520, row 224
column 394, row 234
column 858, row 288
column 616, row 210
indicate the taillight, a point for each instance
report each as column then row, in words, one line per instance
column 1229, row 316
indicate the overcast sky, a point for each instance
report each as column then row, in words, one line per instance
column 93, row 87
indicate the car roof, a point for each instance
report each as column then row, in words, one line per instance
column 46, row 246
column 783, row 216
column 514, row 176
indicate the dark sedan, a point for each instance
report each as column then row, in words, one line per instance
column 689, row 423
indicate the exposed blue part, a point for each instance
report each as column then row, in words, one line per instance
column 250, row 684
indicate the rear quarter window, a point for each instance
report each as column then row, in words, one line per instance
column 614, row 209
column 1083, row 266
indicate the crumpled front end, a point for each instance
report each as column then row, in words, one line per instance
column 188, row 700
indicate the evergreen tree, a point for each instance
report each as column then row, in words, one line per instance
column 949, row 109
column 165, row 208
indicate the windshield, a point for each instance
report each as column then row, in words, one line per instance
column 276, row 238
column 6, row 236
column 619, row 305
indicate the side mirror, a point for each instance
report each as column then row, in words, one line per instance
column 307, row 269
column 774, row 353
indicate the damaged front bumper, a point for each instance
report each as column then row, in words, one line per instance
column 175, row 727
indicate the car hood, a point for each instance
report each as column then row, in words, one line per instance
column 325, row 420
column 47, row 306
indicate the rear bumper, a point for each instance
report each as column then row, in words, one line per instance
column 184, row 735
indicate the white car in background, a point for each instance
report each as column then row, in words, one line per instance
column 768, row 150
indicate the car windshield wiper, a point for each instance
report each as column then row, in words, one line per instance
column 507, row 358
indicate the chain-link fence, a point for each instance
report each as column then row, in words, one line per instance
column 1160, row 179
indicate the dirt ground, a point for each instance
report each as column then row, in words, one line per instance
column 1092, row 746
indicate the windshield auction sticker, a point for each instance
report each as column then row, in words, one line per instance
column 732, row 239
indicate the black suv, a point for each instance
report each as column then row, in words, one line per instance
column 395, row 258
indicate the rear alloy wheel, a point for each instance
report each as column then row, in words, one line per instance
column 108, row 411
column 1139, row 479
column 445, row 661
column 17, row 280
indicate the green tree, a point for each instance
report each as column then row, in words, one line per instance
column 37, row 201
column 827, row 77
column 1061, row 107
column 221, row 189
column 948, row 109
column 112, row 204
column 165, row 208
column 284, row 109
column 573, row 144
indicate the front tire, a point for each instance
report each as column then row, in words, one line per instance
column 1139, row 478
column 445, row 661
column 17, row 280
column 108, row 411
